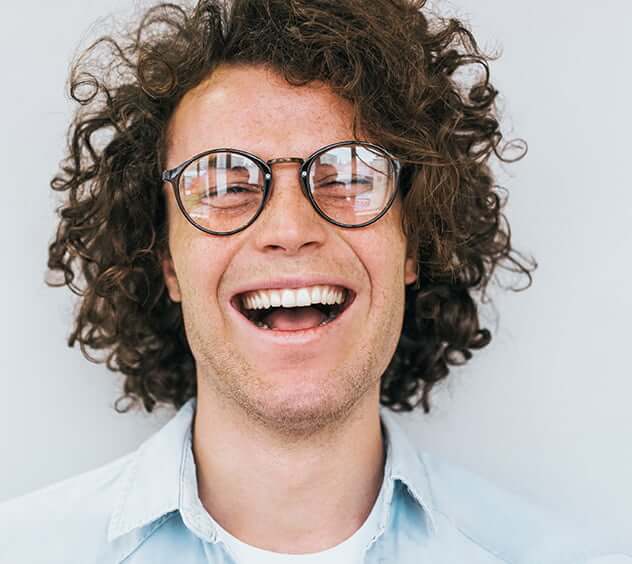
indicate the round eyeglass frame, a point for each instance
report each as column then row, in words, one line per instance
column 173, row 176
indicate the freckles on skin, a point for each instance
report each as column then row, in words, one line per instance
column 289, row 390
column 251, row 116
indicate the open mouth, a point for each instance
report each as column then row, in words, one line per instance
column 298, row 309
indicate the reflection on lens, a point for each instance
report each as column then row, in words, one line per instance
column 222, row 191
column 352, row 184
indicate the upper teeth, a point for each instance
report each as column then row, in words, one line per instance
column 296, row 297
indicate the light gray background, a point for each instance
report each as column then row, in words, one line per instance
column 543, row 411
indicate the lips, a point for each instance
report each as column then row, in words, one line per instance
column 293, row 306
column 330, row 311
column 299, row 336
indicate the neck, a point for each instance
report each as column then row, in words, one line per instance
column 290, row 496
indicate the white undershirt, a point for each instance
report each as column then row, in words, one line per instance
column 350, row 551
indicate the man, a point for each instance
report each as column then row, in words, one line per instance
column 280, row 234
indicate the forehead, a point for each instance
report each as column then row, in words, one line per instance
column 253, row 108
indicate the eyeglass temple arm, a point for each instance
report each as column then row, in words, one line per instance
column 171, row 175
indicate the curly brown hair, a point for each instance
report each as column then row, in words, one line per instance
column 401, row 69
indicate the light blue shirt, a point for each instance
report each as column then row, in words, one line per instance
column 144, row 508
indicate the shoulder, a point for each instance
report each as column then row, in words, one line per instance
column 507, row 525
column 71, row 513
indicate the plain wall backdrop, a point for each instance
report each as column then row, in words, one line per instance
column 544, row 410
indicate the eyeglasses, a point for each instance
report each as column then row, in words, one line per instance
column 223, row 191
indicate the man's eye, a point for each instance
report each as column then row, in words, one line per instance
column 231, row 197
column 212, row 192
column 344, row 180
column 345, row 187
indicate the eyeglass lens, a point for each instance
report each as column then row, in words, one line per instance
column 350, row 184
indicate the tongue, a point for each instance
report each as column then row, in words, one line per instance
column 295, row 318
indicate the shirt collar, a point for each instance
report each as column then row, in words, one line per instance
column 150, row 484
column 153, row 482
column 404, row 463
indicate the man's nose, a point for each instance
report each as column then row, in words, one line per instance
column 288, row 223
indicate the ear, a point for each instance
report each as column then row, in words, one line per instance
column 410, row 271
column 171, row 278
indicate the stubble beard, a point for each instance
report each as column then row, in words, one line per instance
column 234, row 382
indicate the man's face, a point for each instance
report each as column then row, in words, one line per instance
column 295, row 380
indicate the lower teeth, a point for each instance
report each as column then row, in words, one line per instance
column 264, row 325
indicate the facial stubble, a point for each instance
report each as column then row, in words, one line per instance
column 223, row 370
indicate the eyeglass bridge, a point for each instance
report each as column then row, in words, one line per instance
column 286, row 160
column 298, row 160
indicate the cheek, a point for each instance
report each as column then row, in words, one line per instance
column 386, row 263
column 387, row 252
column 199, row 262
column 383, row 258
